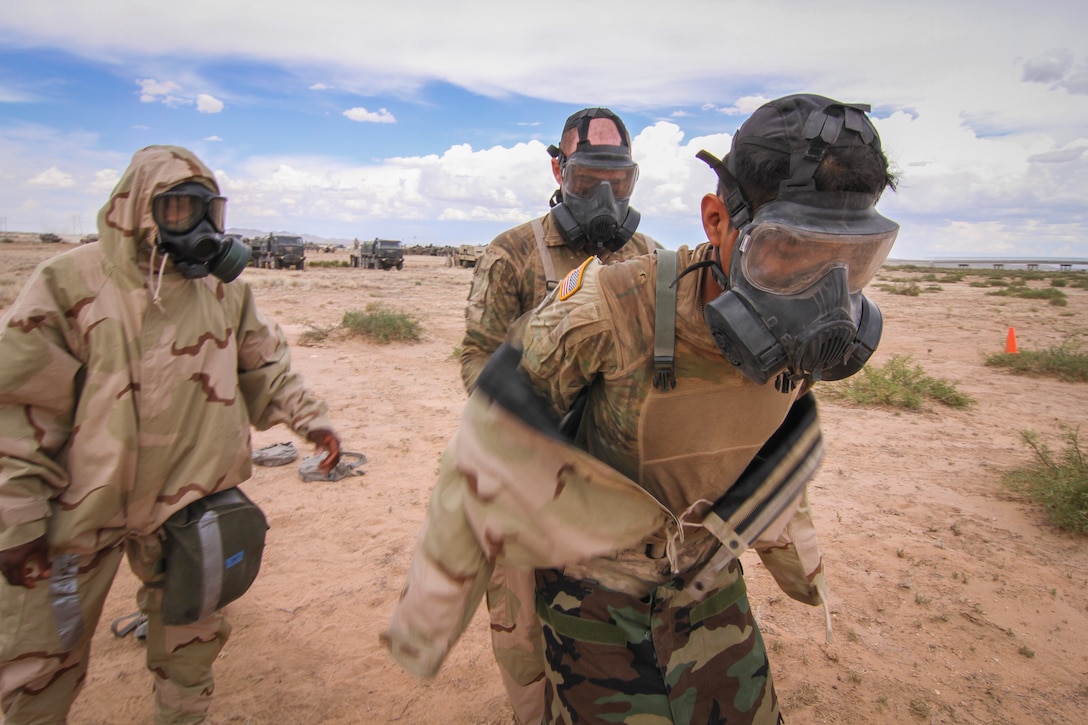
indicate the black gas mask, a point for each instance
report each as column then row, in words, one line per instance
column 793, row 305
column 190, row 220
column 592, row 209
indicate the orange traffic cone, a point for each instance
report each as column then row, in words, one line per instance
column 1010, row 342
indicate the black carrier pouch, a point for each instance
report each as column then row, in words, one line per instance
column 211, row 554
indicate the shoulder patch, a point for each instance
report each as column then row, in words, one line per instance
column 573, row 281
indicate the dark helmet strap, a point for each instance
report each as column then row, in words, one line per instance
column 740, row 211
column 580, row 121
column 823, row 129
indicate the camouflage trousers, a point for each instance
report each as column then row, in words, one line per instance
column 517, row 641
column 657, row 659
column 40, row 676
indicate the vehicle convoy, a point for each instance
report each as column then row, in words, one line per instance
column 467, row 255
column 379, row 254
column 278, row 251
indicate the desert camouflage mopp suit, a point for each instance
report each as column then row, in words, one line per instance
column 126, row 393
column 616, row 577
column 510, row 280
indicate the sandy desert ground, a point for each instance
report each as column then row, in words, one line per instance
column 953, row 601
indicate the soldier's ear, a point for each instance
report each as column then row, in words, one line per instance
column 717, row 225
column 715, row 218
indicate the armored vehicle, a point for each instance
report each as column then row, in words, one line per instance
column 467, row 255
column 278, row 251
column 379, row 254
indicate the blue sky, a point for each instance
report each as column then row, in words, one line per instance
column 429, row 121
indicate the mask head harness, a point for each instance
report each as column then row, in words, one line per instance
column 793, row 306
column 190, row 220
column 592, row 208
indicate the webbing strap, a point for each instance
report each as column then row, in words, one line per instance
column 665, row 322
column 772, row 481
column 211, row 548
column 719, row 601
column 64, row 599
column 545, row 256
column 582, row 630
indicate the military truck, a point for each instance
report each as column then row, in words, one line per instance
column 278, row 251
column 379, row 254
column 467, row 255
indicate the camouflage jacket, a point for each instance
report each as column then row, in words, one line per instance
column 685, row 446
column 508, row 494
column 118, row 408
column 510, row 280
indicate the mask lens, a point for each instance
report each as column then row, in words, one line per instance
column 181, row 209
column 217, row 213
column 177, row 213
column 582, row 179
column 784, row 260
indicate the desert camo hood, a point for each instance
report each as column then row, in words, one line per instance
column 125, row 226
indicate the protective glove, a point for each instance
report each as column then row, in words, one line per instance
column 27, row 564
column 325, row 441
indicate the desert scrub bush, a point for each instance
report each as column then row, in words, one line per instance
column 910, row 289
column 314, row 335
column 1056, row 481
column 1066, row 362
column 951, row 278
column 899, row 383
column 1052, row 295
column 328, row 263
column 382, row 324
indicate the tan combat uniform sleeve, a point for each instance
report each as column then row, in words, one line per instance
column 272, row 391
column 493, row 304
column 37, row 394
column 566, row 343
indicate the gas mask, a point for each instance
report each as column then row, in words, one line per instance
column 593, row 212
column 793, row 308
column 592, row 209
column 190, row 225
column 793, row 300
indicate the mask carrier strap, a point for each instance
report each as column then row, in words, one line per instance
column 551, row 281
column 665, row 322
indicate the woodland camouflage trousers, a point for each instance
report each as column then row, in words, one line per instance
column 40, row 677
column 662, row 658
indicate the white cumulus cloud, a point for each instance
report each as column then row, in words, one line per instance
column 152, row 91
column 208, row 104
column 53, row 178
column 364, row 116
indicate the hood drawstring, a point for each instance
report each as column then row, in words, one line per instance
column 675, row 538
column 156, row 297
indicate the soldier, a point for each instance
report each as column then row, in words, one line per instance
column 590, row 216
column 133, row 369
column 697, row 402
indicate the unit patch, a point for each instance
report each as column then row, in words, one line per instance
column 573, row 281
